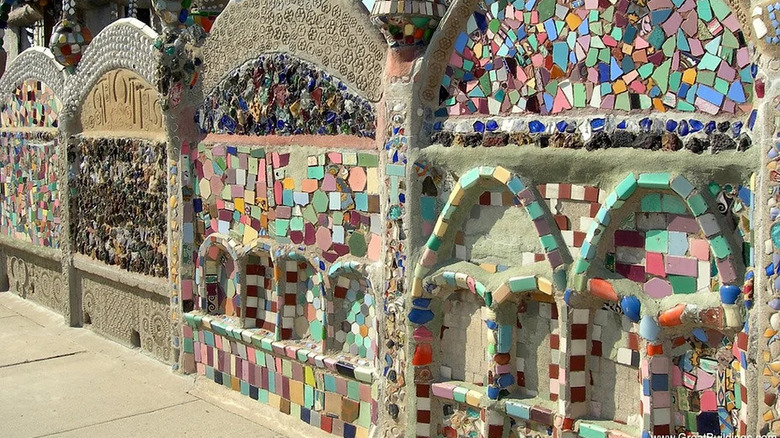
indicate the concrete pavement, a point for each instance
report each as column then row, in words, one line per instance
column 58, row 381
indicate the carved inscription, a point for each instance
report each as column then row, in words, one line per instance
column 122, row 101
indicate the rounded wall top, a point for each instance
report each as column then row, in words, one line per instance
column 35, row 63
column 335, row 34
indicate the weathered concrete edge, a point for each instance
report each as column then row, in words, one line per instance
column 97, row 268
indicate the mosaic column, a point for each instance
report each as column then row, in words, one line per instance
column 572, row 374
column 67, row 154
column 766, row 414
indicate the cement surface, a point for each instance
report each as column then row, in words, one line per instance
column 66, row 382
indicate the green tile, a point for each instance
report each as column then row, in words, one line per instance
column 535, row 210
column 522, row 284
column 720, row 247
column 469, row 178
column 548, row 242
column 654, row 180
column 587, row 430
column 682, row 285
column 626, row 187
column 433, row 243
column 353, row 390
column 459, row 394
column 673, row 204
column 697, row 204
column 657, row 240
column 368, row 160
column 651, row 203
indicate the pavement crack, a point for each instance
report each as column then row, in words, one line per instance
column 138, row 414
column 58, row 356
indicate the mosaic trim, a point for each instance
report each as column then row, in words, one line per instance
column 30, row 195
column 33, row 104
column 472, row 179
column 527, row 57
column 118, row 204
column 282, row 95
column 668, row 135
column 394, row 358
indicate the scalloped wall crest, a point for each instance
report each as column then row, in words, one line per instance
column 38, row 64
column 317, row 31
column 124, row 44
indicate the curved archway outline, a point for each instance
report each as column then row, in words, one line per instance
column 534, row 206
column 697, row 203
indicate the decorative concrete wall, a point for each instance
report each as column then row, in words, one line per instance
column 518, row 219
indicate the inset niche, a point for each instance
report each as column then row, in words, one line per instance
column 261, row 299
column 536, row 354
column 354, row 318
column 221, row 291
column 613, row 368
column 461, row 348
column 303, row 314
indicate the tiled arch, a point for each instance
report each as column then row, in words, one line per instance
column 469, row 181
column 695, row 201
column 232, row 249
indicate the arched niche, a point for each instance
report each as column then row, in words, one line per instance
column 661, row 233
column 464, row 195
column 352, row 312
column 261, row 304
column 499, row 57
column 218, row 277
column 302, row 300
column 353, row 50
column 282, row 94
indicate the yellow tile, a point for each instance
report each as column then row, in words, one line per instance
column 502, row 293
column 239, row 204
column 440, row 228
column 501, row 174
column 417, row 288
column 473, row 398
column 456, row 195
column 544, row 285
column 689, row 76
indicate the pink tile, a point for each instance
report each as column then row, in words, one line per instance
column 676, row 377
column 654, row 264
column 700, row 249
column 726, row 270
column 709, row 401
column 683, row 223
column 677, row 265
column 658, row 288
column 662, row 399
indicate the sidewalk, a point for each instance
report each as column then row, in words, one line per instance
column 60, row 381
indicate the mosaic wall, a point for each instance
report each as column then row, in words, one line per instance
column 706, row 386
column 118, row 204
column 333, row 396
column 548, row 57
column 28, row 174
column 33, row 105
column 281, row 95
column 331, row 205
